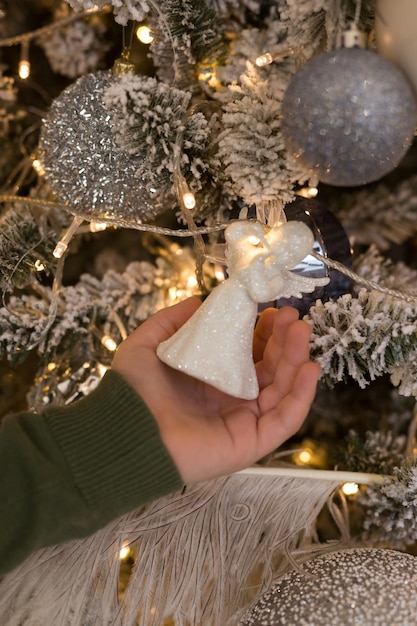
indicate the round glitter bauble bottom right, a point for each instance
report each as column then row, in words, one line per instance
column 356, row 587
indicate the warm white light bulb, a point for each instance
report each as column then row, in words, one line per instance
column 39, row 266
column 38, row 167
column 144, row 34
column 189, row 200
column 192, row 281
column 350, row 489
column 96, row 227
column 124, row 552
column 109, row 343
column 24, row 69
column 60, row 249
column 304, row 456
column 264, row 59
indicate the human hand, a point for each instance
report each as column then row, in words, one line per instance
column 207, row 432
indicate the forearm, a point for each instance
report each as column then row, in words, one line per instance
column 69, row 471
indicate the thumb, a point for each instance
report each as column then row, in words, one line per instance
column 167, row 321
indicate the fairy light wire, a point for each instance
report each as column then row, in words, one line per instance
column 366, row 282
column 49, row 28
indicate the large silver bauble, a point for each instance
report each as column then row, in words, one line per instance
column 348, row 117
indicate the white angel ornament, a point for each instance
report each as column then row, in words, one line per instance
column 215, row 344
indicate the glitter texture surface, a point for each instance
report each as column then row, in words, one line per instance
column 360, row 587
column 215, row 344
column 84, row 167
column 348, row 117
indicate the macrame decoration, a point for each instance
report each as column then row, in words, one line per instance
column 201, row 557
column 215, row 345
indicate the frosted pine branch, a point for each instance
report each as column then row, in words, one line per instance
column 24, row 243
column 124, row 10
column 188, row 41
column 391, row 508
column 76, row 49
column 383, row 215
column 148, row 118
column 134, row 295
column 373, row 266
column 251, row 145
column 366, row 337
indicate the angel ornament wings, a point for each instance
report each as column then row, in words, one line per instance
column 215, row 344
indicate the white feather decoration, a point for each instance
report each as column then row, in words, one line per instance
column 202, row 558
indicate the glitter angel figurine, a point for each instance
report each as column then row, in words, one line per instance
column 215, row 344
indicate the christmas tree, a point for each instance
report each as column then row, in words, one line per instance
column 133, row 132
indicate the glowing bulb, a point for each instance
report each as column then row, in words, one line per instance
column 109, row 343
column 304, row 456
column 254, row 241
column 144, row 34
column 39, row 266
column 96, row 227
column 172, row 291
column 219, row 274
column 102, row 369
column 189, row 200
column 350, row 489
column 38, row 167
column 60, row 249
column 192, row 282
column 51, row 366
column 264, row 59
column 308, row 192
column 24, row 69
column 125, row 552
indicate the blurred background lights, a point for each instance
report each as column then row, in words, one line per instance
column 144, row 34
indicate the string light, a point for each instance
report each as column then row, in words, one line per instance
column 144, row 34
column 124, row 552
column 350, row 489
column 264, row 59
column 109, row 343
column 38, row 167
column 24, row 65
column 184, row 193
column 60, row 249
column 308, row 192
column 267, row 58
column 189, row 200
column 96, row 227
column 304, row 457
column 62, row 245
column 102, row 369
column 39, row 266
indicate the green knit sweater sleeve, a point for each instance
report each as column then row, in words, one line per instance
column 69, row 471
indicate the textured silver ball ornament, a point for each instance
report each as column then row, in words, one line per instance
column 356, row 587
column 348, row 117
column 83, row 165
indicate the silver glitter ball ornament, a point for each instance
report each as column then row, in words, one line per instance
column 348, row 117
column 356, row 587
column 83, row 165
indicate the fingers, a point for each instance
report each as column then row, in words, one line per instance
column 280, row 318
column 277, row 376
column 269, row 341
column 285, row 419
